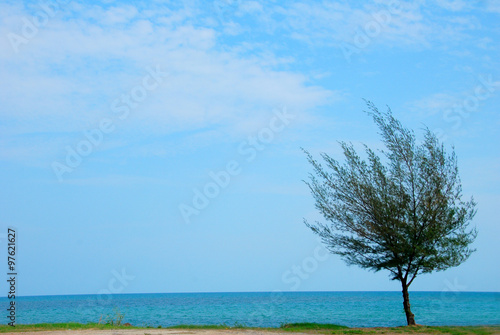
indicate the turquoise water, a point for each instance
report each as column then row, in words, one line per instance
column 361, row 309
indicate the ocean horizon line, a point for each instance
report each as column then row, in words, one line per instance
column 244, row 292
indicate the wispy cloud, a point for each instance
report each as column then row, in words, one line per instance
column 435, row 103
column 395, row 24
column 457, row 108
column 66, row 78
column 492, row 6
column 454, row 5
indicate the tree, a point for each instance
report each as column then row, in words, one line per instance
column 400, row 212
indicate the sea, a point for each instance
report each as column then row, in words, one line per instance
column 262, row 309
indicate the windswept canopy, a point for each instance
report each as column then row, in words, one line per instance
column 400, row 211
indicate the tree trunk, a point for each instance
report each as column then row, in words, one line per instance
column 410, row 317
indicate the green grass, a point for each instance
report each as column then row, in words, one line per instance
column 57, row 326
column 312, row 328
column 452, row 330
column 467, row 330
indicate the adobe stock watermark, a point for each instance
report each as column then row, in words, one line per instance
column 370, row 30
column 248, row 150
column 447, row 300
column 116, row 284
column 121, row 107
column 294, row 277
column 297, row 273
column 31, row 26
column 469, row 105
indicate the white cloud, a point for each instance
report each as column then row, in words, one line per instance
column 81, row 58
column 434, row 104
column 453, row 5
column 329, row 23
column 458, row 113
column 395, row 24
column 493, row 6
column 251, row 7
column 67, row 76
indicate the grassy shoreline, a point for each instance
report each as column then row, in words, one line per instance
column 313, row 328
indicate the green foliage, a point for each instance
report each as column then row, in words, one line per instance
column 401, row 211
column 239, row 325
column 58, row 326
column 112, row 319
column 309, row 326
column 222, row 326
column 236, row 325
column 468, row 330
column 404, row 214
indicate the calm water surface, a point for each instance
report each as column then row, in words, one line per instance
column 362, row 309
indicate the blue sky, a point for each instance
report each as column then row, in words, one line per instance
column 159, row 143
